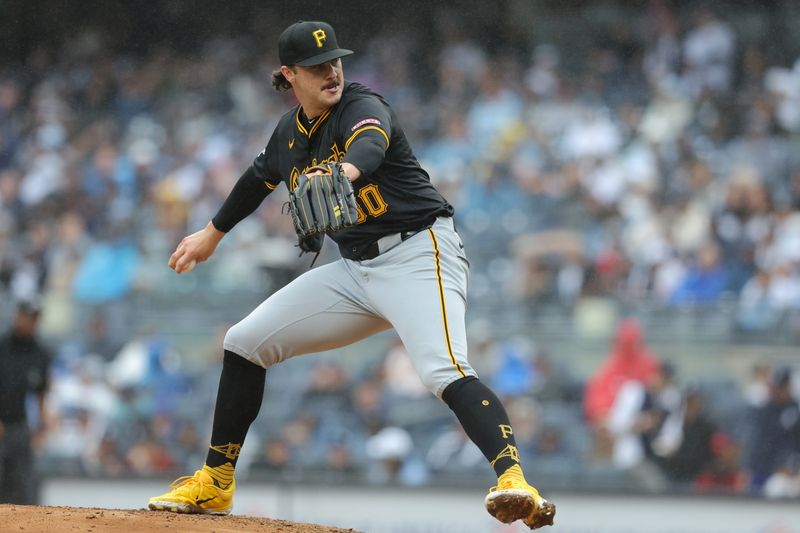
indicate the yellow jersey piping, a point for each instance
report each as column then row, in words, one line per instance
column 444, row 304
column 362, row 130
column 324, row 116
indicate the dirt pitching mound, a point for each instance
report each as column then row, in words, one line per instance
column 38, row 519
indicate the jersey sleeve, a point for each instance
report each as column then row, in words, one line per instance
column 260, row 179
column 365, row 128
column 265, row 164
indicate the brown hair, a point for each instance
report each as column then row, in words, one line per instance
column 279, row 81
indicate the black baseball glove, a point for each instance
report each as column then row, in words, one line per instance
column 322, row 202
column 311, row 243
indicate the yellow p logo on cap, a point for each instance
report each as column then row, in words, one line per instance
column 320, row 36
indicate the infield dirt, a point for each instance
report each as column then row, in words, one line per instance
column 38, row 519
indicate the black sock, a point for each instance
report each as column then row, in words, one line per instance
column 241, row 389
column 484, row 420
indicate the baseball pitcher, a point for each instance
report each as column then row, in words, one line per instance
column 351, row 175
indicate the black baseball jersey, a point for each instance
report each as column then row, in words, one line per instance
column 396, row 195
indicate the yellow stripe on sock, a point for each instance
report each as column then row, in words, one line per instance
column 512, row 473
column 230, row 450
column 222, row 475
column 510, row 452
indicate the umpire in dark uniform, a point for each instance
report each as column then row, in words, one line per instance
column 24, row 362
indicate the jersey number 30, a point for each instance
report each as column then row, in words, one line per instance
column 370, row 199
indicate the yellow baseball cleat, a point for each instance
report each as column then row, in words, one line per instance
column 514, row 499
column 197, row 494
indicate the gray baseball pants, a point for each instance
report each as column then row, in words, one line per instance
column 418, row 287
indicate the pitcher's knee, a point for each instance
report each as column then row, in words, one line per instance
column 236, row 341
column 242, row 342
column 438, row 380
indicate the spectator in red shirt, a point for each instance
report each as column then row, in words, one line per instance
column 630, row 359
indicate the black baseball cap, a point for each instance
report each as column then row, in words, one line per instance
column 308, row 43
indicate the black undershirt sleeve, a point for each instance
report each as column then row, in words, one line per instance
column 366, row 153
column 244, row 198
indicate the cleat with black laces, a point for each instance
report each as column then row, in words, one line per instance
column 196, row 494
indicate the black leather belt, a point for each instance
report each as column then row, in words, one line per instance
column 386, row 243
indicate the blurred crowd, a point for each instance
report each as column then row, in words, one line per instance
column 708, row 436
column 637, row 423
column 661, row 167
